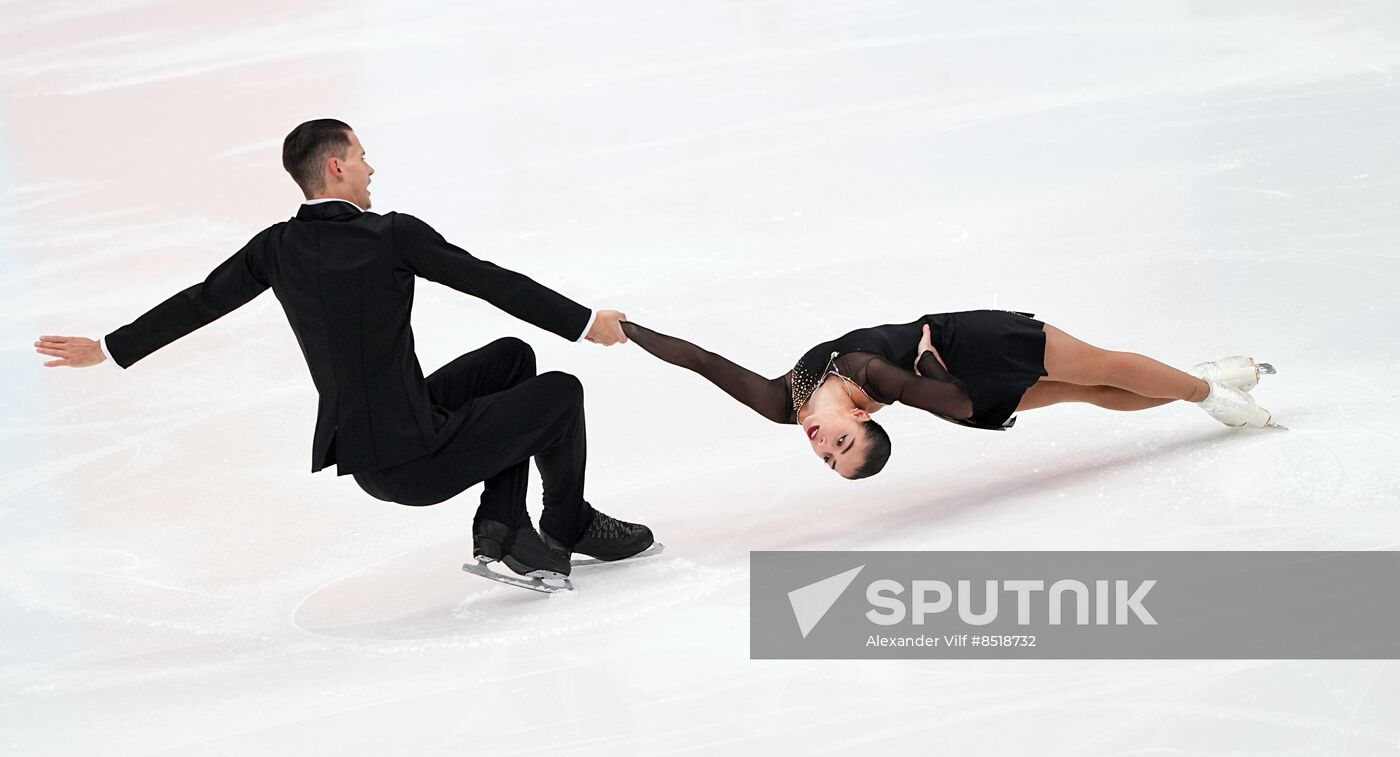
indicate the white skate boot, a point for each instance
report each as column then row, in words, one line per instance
column 1233, row 407
column 1238, row 371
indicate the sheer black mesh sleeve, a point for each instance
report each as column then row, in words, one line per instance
column 929, row 366
column 769, row 397
column 938, row 393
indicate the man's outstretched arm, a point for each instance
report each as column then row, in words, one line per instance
column 427, row 254
column 228, row 287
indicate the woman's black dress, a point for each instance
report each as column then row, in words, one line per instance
column 993, row 357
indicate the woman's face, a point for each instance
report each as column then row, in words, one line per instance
column 838, row 438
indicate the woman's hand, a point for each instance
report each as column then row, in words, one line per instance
column 926, row 345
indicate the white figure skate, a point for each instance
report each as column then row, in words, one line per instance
column 1234, row 408
column 1238, row 371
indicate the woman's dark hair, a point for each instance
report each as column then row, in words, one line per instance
column 877, row 450
column 305, row 150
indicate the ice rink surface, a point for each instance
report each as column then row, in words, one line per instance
column 1188, row 180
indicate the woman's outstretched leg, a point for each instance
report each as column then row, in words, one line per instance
column 1072, row 361
column 1045, row 393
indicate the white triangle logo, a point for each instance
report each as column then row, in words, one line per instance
column 811, row 602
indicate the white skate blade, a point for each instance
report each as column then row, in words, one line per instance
column 655, row 549
column 533, row 583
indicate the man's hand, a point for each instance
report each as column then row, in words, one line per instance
column 72, row 351
column 607, row 328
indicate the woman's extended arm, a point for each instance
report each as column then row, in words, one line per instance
column 769, row 397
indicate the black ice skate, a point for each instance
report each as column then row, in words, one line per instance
column 609, row 540
column 520, row 549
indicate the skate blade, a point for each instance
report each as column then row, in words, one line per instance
column 1270, row 425
column 655, row 549
column 533, row 582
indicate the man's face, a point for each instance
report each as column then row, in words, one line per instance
column 356, row 172
column 838, row 439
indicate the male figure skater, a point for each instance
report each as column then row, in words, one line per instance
column 345, row 279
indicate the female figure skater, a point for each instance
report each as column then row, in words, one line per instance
column 973, row 368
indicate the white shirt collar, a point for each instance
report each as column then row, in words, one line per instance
column 332, row 199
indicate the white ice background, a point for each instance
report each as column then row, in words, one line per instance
column 1184, row 179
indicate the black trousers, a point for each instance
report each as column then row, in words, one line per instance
column 512, row 415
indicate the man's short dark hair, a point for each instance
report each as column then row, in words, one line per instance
column 877, row 450
column 305, row 150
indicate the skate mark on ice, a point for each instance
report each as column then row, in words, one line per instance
column 422, row 594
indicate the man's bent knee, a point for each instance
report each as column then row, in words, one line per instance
column 566, row 385
column 386, row 491
column 518, row 349
column 513, row 345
